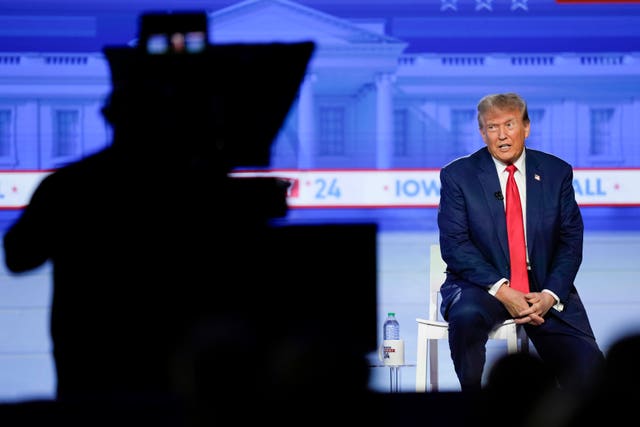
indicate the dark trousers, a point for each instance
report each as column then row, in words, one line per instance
column 573, row 357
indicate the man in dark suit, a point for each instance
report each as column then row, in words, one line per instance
column 477, row 294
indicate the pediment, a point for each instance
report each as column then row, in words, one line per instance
column 286, row 21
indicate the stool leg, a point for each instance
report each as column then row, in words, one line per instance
column 421, row 360
column 433, row 364
column 512, row 339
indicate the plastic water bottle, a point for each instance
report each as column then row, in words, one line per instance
column 392, row 350
column 391, row 327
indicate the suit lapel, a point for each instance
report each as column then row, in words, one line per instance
column 488, row 178
column 535, row 200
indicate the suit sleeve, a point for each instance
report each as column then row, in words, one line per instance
column 465, row 260
column 565, row 244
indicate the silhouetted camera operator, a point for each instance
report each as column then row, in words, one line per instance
column 149, row 238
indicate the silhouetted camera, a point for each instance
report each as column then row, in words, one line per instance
column 222, row 103
column 170, row 33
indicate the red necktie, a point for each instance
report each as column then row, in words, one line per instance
column 515, row 230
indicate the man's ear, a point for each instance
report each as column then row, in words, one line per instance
column 482, row 135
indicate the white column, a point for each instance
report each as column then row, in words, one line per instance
column 384, row 121
column 306, row 124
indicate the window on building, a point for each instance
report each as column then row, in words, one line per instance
column 536, row 130
column 6, row 134
column 332, row 131
column 400, row 132
column 601, row 140
column 464, row 130
column 66, row 133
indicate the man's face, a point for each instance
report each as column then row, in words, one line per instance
column 504, row 133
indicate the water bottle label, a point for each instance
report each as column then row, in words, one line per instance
column 392, row 352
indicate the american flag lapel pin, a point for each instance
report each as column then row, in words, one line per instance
column 536, row 177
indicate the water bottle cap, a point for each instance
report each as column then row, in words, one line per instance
column 391, row 313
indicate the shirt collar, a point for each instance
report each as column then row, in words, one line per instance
column 518, row 163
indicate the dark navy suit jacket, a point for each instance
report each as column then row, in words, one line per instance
column 473, row 231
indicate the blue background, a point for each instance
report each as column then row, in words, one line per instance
column 429, row 28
